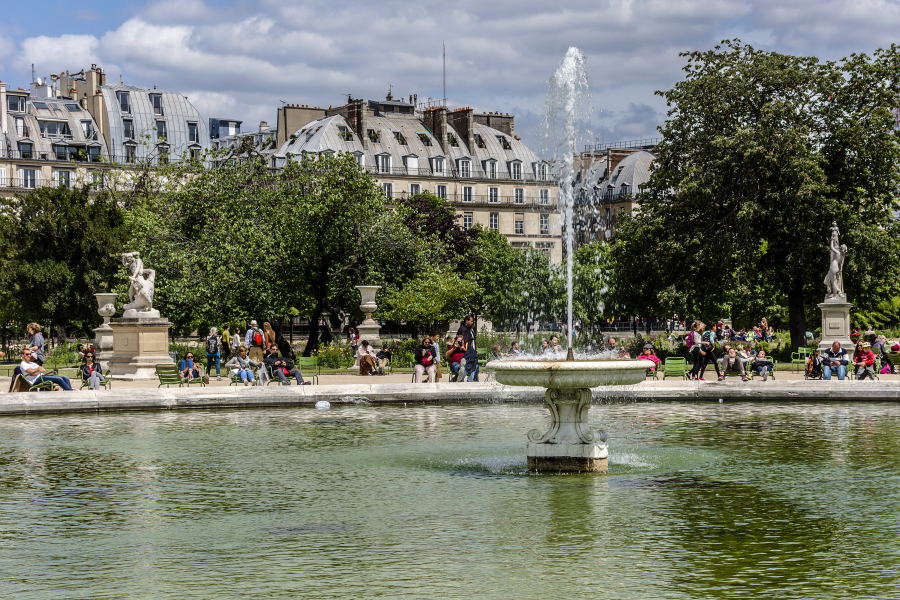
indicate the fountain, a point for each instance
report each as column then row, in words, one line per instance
column 569, row 444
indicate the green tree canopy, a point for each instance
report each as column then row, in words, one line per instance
column 61, row 246
column 434, row 296
column 761, row 152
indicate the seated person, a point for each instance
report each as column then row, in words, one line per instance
column 621, row 352
column 513, row 349
column 241, row 365
column 282, row 367
column 495, row 350
column 35, row 373
column 864, row 361
column 90, row 370
column 648, row 354
column 365, row 354
column 731, row 362
column 835, row 359
column 190, row 369
column 554, row 344
column 761, row 364
column 455, row 356
column 382, row 358
column 545, row 347
column 425, row 361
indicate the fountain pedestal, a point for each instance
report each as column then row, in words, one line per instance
column 570, row 445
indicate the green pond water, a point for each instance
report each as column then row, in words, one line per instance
column 701, row 501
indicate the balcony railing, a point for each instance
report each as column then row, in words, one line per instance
column 480, row 200
column 154, row 161
column 636, row 144
column 453, row 173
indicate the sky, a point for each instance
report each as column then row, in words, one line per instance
column 242, row 59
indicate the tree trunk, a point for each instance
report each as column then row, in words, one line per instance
column 797, row 317
column 60, row 335
column 314, row 319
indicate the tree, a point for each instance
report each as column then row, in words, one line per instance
column 241, row 240
column 590, row 281
column 761, row 152
column 434, row 296
column 62, row 246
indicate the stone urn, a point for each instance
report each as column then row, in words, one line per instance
column 103, row 335
column 569, row 444
column 369, row 329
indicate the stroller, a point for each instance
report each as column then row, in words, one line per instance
column 814, row 367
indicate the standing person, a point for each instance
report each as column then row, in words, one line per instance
column 864, row 361
column 425, row 360
column 236, row 341
column 835, row 358
column 365, row 354
column 37, row 343
column 707, row 352
column 470, row 367
column 353, row 341
column 213, row 351
column 91, row 371
column 242, row 365
column 226, row 342
column 270, row 333
column 692, row 340
column 255, row 340
column 35, row 373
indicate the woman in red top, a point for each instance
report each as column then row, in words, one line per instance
column 90, row 371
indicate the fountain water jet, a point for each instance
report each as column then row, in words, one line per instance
column 569, row 444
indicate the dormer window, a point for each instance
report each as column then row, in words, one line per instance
column 128, row 129
column 374, row 136
column 541, row 171
column 423, row 137
column 399, row 137
column 479, row 141
column 73, row 108
column 464, row 167
column 42, row 105
column 345, row 134
column 453, row 140
column 124, row 101
column 156, row 102
column 193, row 133
column 504, row 142
column 25, row 149
column 437, row 165
column 384, row 163
column 515, row 170
column 490, row 169
column 16, row 103
column 161, row 133
column 360, row 159
column 411, row 162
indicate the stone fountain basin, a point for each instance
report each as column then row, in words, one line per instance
column 569, row 374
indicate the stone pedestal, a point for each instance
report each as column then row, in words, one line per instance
column 836, row 325
column 570, row 445
column 103, row 335
column 369, row 329
column 138, row 346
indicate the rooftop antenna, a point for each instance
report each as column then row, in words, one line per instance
column 32, row 72
column 390, row 89
column 444, row 46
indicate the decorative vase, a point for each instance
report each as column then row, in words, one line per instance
column 369, row 329
column 103, row 335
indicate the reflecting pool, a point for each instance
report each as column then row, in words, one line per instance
column 701, row 501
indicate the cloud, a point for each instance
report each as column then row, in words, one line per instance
column 240, row 59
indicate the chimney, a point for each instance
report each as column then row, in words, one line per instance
column 356, row 118
column 436, row 123
column 463, row 121
column 263, row 125
column 84, row 101
column 3, row 108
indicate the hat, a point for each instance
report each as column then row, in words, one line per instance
column 648, row 346
column 867, row 345
column 253, row 323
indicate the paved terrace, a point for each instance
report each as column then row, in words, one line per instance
column 393, row 389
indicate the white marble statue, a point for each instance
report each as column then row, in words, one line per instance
column 834, row 281
column 141, row 290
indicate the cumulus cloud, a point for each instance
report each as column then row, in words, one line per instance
column 241, row 59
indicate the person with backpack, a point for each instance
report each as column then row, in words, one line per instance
column 213, row 351
column 692, row 340
column 255, row 340
column 707, row 351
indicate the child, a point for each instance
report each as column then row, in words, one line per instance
column 864, row 361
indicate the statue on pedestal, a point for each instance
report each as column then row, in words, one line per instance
column 140, row 292
column 834, row 281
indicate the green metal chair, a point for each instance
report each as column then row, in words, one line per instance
column 675, row 367
column 799, row 358
column 168, row 374
column 309, row 366
column 106, row 383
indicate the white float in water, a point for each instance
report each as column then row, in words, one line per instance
column 323, row 404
